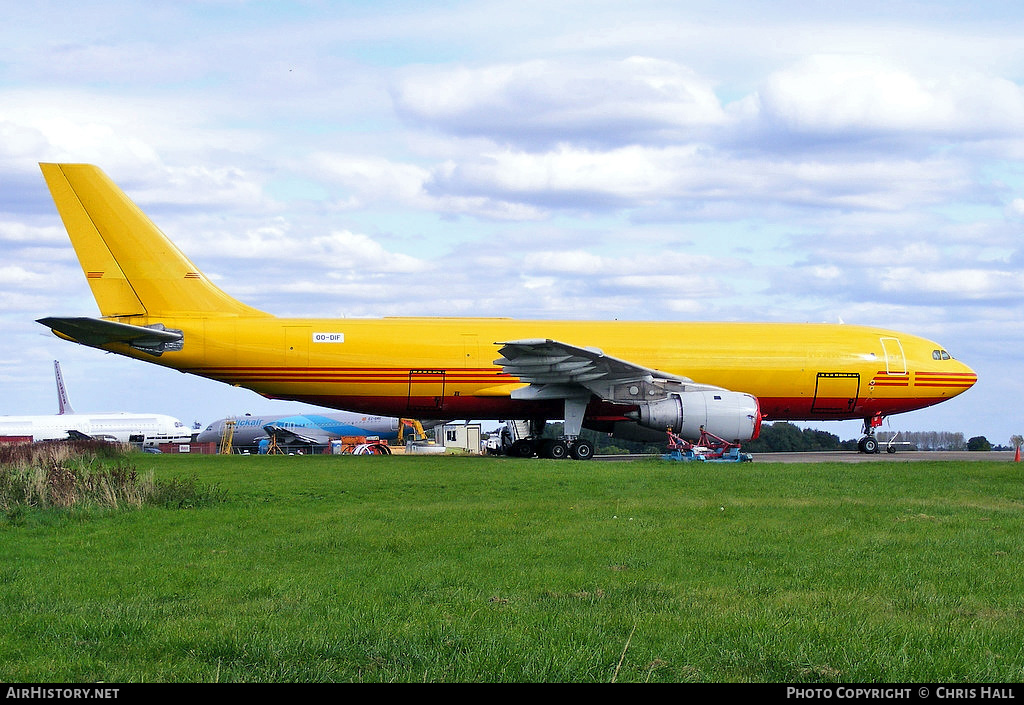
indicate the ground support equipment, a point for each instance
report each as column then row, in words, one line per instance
column 709, row 449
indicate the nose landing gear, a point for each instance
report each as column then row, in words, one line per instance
column 869, row 444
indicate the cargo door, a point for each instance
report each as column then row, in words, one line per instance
column 426, row 390
column 835, row 393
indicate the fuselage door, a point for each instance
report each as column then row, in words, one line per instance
column 895, row 361
column 835, row 393
column 426, row 390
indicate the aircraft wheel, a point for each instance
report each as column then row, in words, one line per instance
column 557, row 450
column 868, row 445
column 522, row 449
column 582, row 450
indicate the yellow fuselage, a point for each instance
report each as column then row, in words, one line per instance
column 444, row 367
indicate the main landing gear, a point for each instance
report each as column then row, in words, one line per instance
column 554, row 448
column 524, row 440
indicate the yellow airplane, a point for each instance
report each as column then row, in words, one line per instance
column 633, row 379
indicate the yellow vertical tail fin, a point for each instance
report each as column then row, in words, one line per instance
column 131, row 266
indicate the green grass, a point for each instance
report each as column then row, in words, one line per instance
column 366, row 568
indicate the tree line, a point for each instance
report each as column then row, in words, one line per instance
column 931, row 440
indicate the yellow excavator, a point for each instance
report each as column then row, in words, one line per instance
column 418, row 434
column 417, row 441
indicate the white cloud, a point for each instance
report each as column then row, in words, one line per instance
column 954, row 284
column 18, row 276
column 277, row 245
column 637, row 176
column 20, row 232
column 873, row 94
column 372, row 179
column 544, row 101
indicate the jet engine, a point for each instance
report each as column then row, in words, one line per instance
column 733, row 416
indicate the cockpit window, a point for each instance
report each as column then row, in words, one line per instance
column 941, row 355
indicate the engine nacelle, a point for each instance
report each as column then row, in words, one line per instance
column 732, row 416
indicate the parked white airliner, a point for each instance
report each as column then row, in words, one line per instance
column 147, row 430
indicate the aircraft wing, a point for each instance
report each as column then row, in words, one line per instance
column 95, row 332
column 653, row 399
column 313, row 436
column 554, row 369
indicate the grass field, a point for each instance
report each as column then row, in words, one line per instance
column 451, row 569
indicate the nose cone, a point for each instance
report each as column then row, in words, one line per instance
column 948, row 380
column 967, row 377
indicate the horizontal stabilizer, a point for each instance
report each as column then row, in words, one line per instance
column 287, row 435
column 97, row 332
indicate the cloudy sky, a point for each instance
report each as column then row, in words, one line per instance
column 676, row 160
